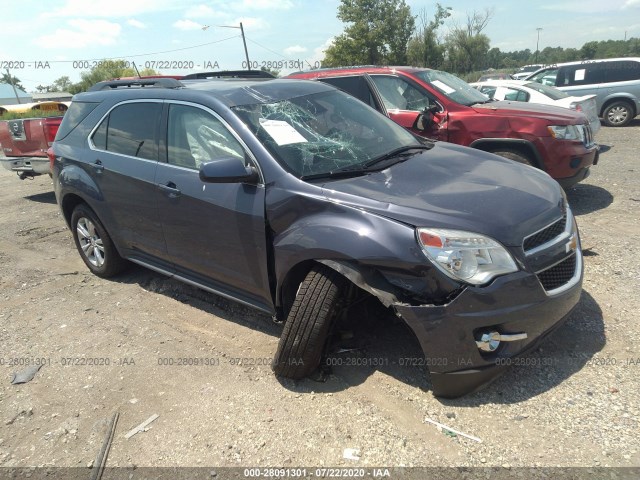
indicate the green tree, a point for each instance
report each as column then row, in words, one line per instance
column 62, row 84
column 106, row 70
column 424, row 48
column 378, row 33
column 467, row 46
column 10, row 79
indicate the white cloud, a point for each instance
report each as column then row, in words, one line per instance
column 187, row 25
column 263, row 5
column 631, row 4
column 136, row 23
column 203, row 11
column 251, row 23
column 110, row 9
column 83, row 33
column 294, row 49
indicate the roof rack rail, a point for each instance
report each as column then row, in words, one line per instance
column 139, row 83
column 229, row 74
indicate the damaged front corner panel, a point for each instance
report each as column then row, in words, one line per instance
column 376, row 287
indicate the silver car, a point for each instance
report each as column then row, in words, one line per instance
column 614, row 81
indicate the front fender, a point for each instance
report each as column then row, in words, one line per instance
column 378, row 254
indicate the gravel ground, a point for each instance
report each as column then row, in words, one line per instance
column 114, row 345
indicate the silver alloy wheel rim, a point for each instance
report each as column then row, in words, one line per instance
column 90, row 242
column 617, row 115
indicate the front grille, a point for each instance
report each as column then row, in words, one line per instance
column 546, row 234
column 559, row 274
column 587, row 135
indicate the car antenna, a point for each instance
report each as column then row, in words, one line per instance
column 134, row 66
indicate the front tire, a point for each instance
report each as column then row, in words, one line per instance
column 94, row 243
column 309, row 322
column 515, row 156
column 617, row 114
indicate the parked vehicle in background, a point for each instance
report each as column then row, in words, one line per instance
column 24, row 144
column 494, row 76
column 533, row 92
column 525, row 71
column 441, row 106
column 614, row 81
column 299, row 200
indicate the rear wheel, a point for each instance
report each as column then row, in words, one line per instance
column 307, row 327
column 617, row 114
column 94, row 243
column 515, row 156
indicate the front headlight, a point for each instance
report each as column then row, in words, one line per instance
column 466, row 256
column 566, row 132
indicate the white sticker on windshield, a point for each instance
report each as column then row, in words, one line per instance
column 443, row 86
column 579, row 75
column 282, row 132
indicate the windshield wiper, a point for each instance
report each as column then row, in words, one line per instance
column 399, row 154
column 353, row 171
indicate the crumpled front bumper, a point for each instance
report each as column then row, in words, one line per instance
column 515, row 303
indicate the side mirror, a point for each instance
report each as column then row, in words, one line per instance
column 228, row 170
column 424, row 120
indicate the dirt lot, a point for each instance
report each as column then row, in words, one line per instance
column 142, row 345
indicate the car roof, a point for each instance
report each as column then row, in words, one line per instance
column 354, row 70
column 500, row 83
column 587, row 62
column 231, row 92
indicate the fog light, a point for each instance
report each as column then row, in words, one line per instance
column 490, row 341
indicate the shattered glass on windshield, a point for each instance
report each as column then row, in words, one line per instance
column 323, row 132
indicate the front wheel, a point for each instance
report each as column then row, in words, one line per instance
column 515, row 156
column 617, row 114
column 94, row 243
column 307, row 327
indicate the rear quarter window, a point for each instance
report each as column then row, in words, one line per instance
column 76, row 113
column 130, row 129
column 622, row 71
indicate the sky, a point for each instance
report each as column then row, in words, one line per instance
column 42, row 41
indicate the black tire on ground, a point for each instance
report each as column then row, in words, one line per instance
column 617, row 114
column 309, row 322
column 515, row 156
column 94, row 243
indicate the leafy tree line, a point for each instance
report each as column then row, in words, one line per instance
column 104, row 70
column 386, row 32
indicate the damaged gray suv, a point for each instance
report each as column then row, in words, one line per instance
column 295, row 198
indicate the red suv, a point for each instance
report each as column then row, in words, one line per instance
column 436, row 104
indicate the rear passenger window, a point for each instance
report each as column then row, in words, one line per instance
column 356, row 86
column 583, row 74
column 622, row 71
column 130, row 129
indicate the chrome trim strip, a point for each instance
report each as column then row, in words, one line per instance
column 573, row 281
column 565, row 235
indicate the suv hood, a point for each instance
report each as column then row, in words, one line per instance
column 460, row 188
column 554, row 115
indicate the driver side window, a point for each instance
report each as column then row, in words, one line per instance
column 398, row 94
column 196, row 137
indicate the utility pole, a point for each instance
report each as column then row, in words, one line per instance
column 538, row 43
column 244, row 41
column 15, row 92
column 246, row 53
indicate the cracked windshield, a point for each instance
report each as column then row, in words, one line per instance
column 323, row 133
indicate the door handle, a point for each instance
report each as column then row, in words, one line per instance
column 170, row 188
column 98, row 166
